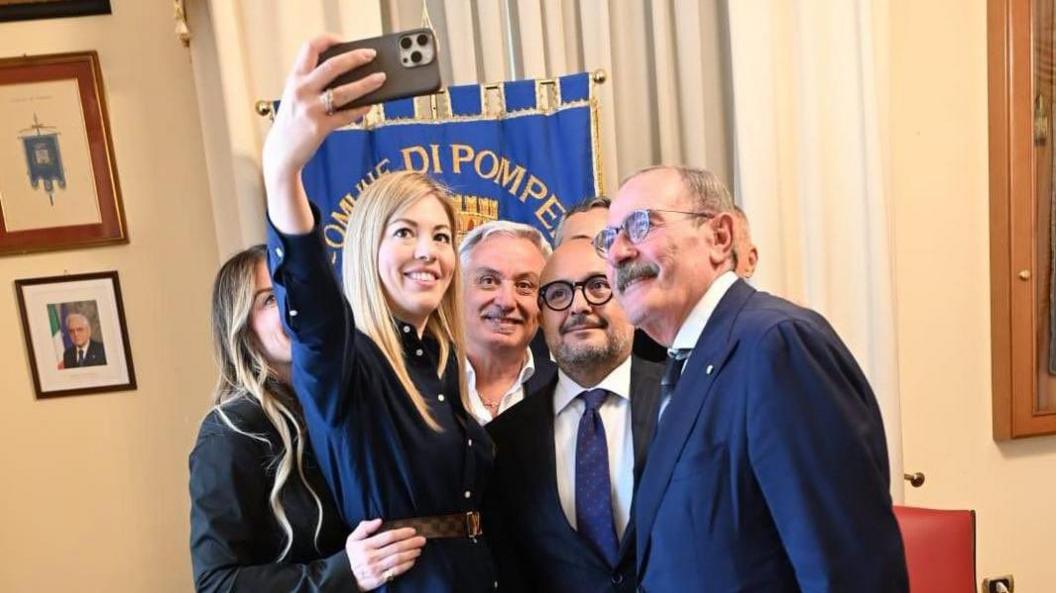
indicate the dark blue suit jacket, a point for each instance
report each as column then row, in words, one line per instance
column 535, row 547
column 769, row 469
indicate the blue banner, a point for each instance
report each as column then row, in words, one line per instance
column 524, row 162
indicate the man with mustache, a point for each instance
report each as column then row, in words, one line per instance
column 558, row 509
column 769, row 469
column 501, row 262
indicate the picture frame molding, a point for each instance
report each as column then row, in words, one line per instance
column 112, row 229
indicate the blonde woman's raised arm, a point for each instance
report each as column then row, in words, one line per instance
column 303, row 121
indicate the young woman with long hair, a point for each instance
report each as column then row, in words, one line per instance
column 377, row 362
column 262, row 520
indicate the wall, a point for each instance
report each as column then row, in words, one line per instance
column 941, row 238
column 94, row 497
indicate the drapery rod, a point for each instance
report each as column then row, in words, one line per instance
column 599, row 76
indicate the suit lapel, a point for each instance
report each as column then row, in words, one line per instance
column 541, row 451
column 540, row 456
column 713, row 349
column 645, row 396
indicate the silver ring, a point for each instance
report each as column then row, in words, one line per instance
column 328, row 101
column 389, row 574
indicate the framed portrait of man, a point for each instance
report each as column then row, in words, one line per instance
column 76, row 336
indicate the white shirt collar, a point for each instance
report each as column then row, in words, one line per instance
column 693, row 326
column 526, row 372
column 618, row 382
column 512, row 396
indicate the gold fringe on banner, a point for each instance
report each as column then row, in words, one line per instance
column 437, row 109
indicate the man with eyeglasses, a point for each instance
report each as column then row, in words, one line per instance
column 769, row 469
column 558, row 511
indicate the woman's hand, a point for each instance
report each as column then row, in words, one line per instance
column 377, row 559
column 303, row 121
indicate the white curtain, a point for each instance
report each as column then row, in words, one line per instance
column 241, row 51
column 810, row 102
column 664, row 100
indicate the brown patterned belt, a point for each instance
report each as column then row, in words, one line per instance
column 456, row 525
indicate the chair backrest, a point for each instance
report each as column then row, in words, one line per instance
column 940, row 549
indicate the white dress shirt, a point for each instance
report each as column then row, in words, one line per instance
column 693, row 326
column 616, row 417
column 513, row 395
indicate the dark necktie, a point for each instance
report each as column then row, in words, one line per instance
column 80, row 357
column 676, row 360
column 593, row 490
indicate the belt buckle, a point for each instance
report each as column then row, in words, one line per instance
column 473, row 524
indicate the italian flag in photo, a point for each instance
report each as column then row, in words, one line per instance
column 58, row 339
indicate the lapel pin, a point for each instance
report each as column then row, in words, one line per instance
column 708, row 370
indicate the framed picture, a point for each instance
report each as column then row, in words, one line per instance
column 76, row 336
column 24, row 10
column 58, row 182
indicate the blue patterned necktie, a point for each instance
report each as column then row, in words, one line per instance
column 593, row 490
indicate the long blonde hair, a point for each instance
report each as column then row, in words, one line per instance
column 389, row 196
column 245, row 373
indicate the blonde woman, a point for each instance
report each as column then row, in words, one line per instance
column 377, row 362
column 262, row 520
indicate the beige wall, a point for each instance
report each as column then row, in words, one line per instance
column 94, row 495
column 940, row 196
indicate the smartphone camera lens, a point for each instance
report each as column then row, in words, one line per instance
column 405, row 43
column 416, row 56
column 423, row 39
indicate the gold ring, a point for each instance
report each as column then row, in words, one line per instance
column 328, row 101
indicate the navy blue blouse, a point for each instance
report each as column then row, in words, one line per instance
column 377, row 454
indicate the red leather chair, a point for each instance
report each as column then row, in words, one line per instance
column 940, row 549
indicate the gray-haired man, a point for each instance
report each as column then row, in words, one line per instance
column 501, row 264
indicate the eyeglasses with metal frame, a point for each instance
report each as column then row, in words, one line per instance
column 559, row 294
column 637, row 226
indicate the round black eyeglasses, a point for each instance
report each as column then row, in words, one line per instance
column 559, row 294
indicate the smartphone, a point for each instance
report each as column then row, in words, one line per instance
column 408, row 58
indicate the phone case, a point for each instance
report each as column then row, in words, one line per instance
column 401, row 81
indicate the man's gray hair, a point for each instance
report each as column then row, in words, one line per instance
column 80, row 316
column 708, row 192
column 503, row 228
column 586, row 205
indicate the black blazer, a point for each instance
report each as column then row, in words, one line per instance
column 545, row 369
column 95, row 355
column 535, row 547
column 235, row 539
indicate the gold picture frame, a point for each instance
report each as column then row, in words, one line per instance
column 58, row 182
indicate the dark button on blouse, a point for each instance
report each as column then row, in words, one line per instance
column 377, row 453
